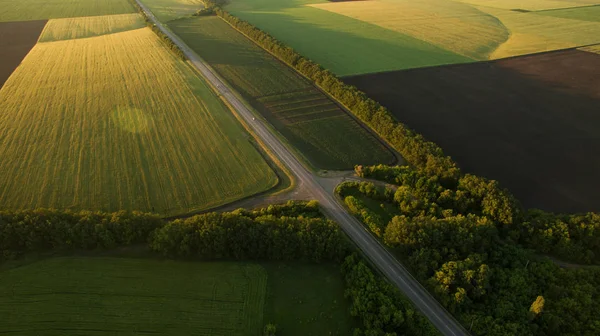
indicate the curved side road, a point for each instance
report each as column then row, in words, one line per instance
column 377, row 254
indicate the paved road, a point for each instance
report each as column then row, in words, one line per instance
column 378, row 255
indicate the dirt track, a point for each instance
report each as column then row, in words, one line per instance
column 532, row 122
column 16, row 40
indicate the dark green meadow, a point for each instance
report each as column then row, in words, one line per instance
column 123, row 296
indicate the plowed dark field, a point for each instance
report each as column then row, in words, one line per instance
column 532, row 123
column 16, row 40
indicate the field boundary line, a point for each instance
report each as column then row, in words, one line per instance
column 566, row 8
column 456, row 65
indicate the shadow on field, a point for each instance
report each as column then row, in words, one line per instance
column 532, row 122
column 324, row 36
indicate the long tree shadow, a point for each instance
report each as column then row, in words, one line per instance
column 346, row 45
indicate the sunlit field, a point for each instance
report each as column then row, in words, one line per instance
column 118, row 122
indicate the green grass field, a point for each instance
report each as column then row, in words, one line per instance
column 342, row 44
column 25, row 10
column 90, row 26
column 113, row 296
column 307, row 299
column 167, row 10
column 118, row 122
column 326, row 135
column 120, row 296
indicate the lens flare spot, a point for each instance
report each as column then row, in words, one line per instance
column 131, row 119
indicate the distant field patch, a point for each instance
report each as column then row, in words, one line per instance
column 533, row 33
column 325, row 134
column 25, row 10
column 132, row 296
column 530, row 5
column 530, row 122
column 583, row 13
column 340, row 43
column 72, row 28
column 456, row 27
column 118, row 122
column 16, row 40
column 167, row 10
column 593, row 49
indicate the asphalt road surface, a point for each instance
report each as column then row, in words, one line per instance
column 377, row 254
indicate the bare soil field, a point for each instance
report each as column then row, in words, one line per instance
column 532, row 122
column 16, row 40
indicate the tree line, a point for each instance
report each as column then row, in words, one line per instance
column 573, row 237
column 291, row 231
column 473, row 262
column 235, row 236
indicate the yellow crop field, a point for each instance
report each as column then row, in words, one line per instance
column 71, row 28
column 167, row 10
column 118, row 122
column 531, row 5
column 531, row 33
column 453, row 26
column 593, row 49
